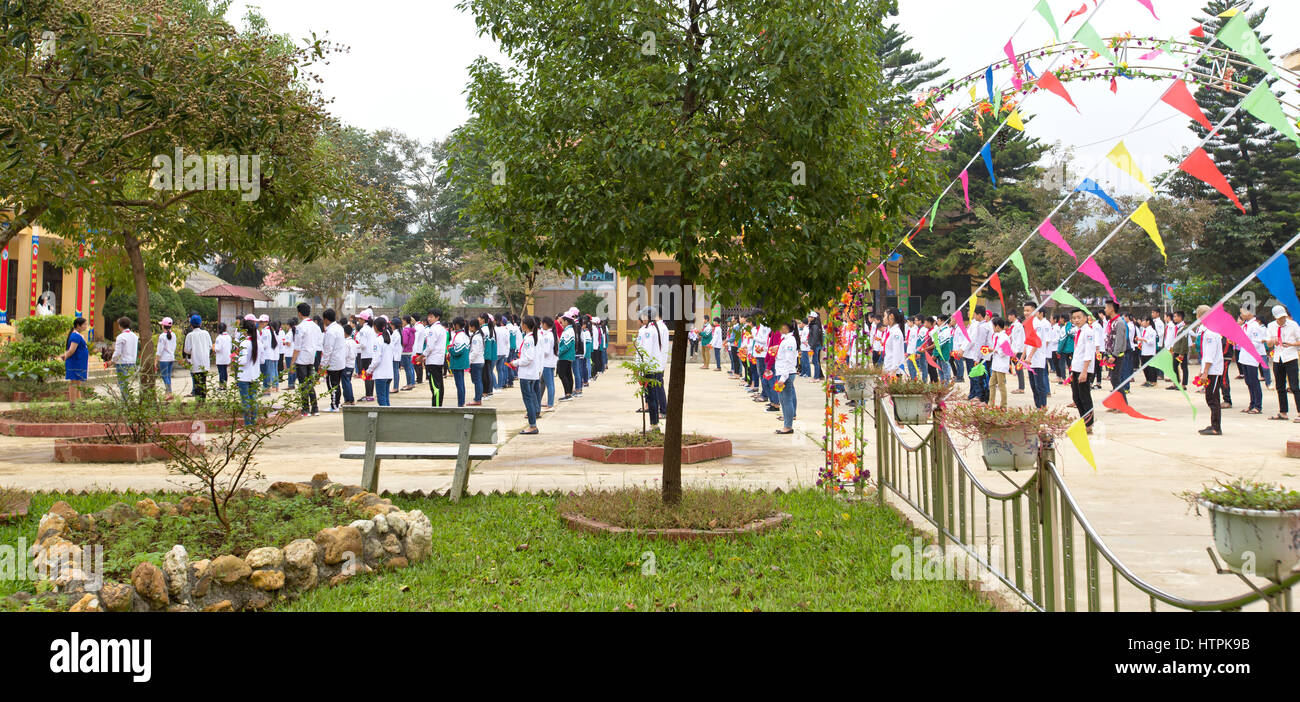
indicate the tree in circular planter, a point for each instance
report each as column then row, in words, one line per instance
column 1256, row 525
column 914, row 399
column 1011, row 436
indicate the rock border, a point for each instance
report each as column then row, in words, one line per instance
column 649, row 455
column 578, row 522
column 387, row 538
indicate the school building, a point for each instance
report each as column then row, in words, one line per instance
column 28, row 271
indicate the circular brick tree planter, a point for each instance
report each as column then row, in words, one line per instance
column 649, row 455
column 90, row 451
column 577, row 522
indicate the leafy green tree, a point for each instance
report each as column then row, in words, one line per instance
column 588, row 302
column 424, row 298
column 905, row 67
column 758, row 142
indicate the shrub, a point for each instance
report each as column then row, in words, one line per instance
column 1246, row 494
column 424, row 298
column 975, row 420
column 589, row 303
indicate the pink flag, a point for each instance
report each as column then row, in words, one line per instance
column 1006, row 348
column 1048, row 230
column 1011, row 56
column 965, row 188
column 956, row 319
column 1223, row 323
column 1151, row 54
column 1147, row 5
column 885, row 274
column 1092, row 270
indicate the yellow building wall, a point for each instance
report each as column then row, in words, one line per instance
column 20, row 250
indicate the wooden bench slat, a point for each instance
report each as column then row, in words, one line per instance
column 434, row 453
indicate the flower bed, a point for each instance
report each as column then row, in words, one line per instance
column 695, row 448
column 248, row 579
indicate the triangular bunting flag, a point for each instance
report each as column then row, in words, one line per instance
column 1049, row 232
column 1052, row 84
column 957, row 320
column 1090, row 186
column 1263, row 104
column 996, row 283
column 1116, row 401
column 1180, row 98
column 1237, row 34
column 1010, row 51
column 1123, row 160
column 885, row 274
column 1046, row 12
column 965, row 188
column 1276, row 276
column 1199, row 165
column 1218, row 320
column 1198, row 31
column 1082, row 9
column 934, row 212
column 1089, row 38
column 1006, row 347
column 1165, row 362
column 1147, row 5
column 907, row 241
column 1078, row 433
column 1065, row 298
column 1145, row 218
column 1090, row 268
column 988, row 81
column 1230, row 12
column 1018, row 260
column 987, row 153
column 1031, row 335
column 1014, row 121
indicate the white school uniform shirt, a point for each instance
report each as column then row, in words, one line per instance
column 166, row 350
column 264, row 345
column 433, row 344
column 716, row 342
column 503, row 342
column 1289, row 332
column 1159, row 325
column 1048, row 335
column 516, row 333
column 647, row 339
column 421, row 337
column 221, row 348
column 1017, row 336
column 1211, row 352
column 382, row 355
column 476, row 348
column 198, row 344
column 1001, row 361
column 981, row 336
column 1148, row 339
column 663, row 344
column 1170, row 333
column 529, row 362
column 307, row 340
column 803, row 339
column 1099, row 335
column 353, row 349
column 125, row 348
column 249, row 371
column 284, row 344
column 895, row 350
column 546, row 348
column 914, row 336
column 787, row 356
column 334, row 348
column 1256, row 333
column 1085, row 349
column 366, row 340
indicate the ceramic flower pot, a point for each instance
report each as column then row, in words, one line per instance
column 912, row 409
column 1011, row 449
column 1256, row 541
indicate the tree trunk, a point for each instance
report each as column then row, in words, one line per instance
column 144, row 326
column 676, row 399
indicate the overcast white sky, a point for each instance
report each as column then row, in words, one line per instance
column 407, row 67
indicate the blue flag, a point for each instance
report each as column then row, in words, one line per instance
column 1030, row 71
column 988, row 80
column 1276, row 276
column 1090, row 186
column 987, row 153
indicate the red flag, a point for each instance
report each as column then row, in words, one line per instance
column 1114, row 87
column 996, row 283
column 930, row 360
column 1180, row 98
column 1116, row 401
column 1199, row 165
column 1031, row 336
column 1197, row 31
column 1082, row 9
column 1050, row 82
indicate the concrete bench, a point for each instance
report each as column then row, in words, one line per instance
column 467, row 434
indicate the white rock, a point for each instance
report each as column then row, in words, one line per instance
column 267, row 557
column 176, row 566
column 419, row 536
column 397, row 522
column 381, row 523
column 301, row 553
column 365, row 526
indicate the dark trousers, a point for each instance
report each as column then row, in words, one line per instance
column 419, row 373
column 364, row 365
column 656, row 399
column 1285, row 373
column 223, row 374
column 1181, row 367
column 1147, row 370
column 1225, row 390
column 1212, row 401
column 435, row 383
column 564, row 369
column 1081, row 389
column 1117, row 374
column 1253, row 386
column 200, row 380
column 307, row 376
column 1038, row 380
column 334, row 381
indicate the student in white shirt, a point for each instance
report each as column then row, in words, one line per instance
column 981, row 334
column 198, row 350
column 1147, row 340
column 783, row 370
column 1037, row 356
column 1001, row 362
column 1081, row 365
column 353, row 356
column 432, row 345
column 529, row 366
column 307, row 340
column 476, row 345
column 251, row 368
column 268, row 353
column 716, row 343
column 548, row 346
column 166, row 354
column 366, row 343
column 1211, row 345
column 127, row 345
column 334, row 356
column 421, row 333
column 1283, row 338
column 383, row 360
column 221, row 348
column 395, row 340
column 503, row 336
column 895, row 344
column 1247, row 363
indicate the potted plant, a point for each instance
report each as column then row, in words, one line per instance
column 1011, row 436
column 859, row 381
column 1256, row 525
column 915, row 399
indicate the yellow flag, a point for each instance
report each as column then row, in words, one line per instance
column 1078, row 433
column 1230, row 12
column 970, row 314
column 1143, row 217
column 1013, row 121
column 907, row 241
column 972, row 92
column 1123, row 160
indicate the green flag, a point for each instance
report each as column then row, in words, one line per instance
column 1018, row 260
column 1165, row 362
column 1089, row 38
column 939, row 350
column 977, row 371
column 1065, row 298
column 1264, row 106
column 1046, row 12
column 934, row 212
column 1237, row 34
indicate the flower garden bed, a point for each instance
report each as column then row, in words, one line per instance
column 624, row 448
column 142, row 573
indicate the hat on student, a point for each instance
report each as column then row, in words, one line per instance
column 1279, row 311
column 166, row 321
column 264, row 318
column 364, row 314
column 195, row 320
column 572, row 313
column 812, row 315
column 250, row 318
column 595, row 320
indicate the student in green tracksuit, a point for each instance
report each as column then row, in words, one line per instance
column 489, row 353
column 566, row 357
column 458, row 357
column 706, row 341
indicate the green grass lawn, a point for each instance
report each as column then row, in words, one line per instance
column 513, row 553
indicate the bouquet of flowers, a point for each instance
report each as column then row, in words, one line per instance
column 1200, row 381
column 418, row 359
column 779, row 386
column 986, row 350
